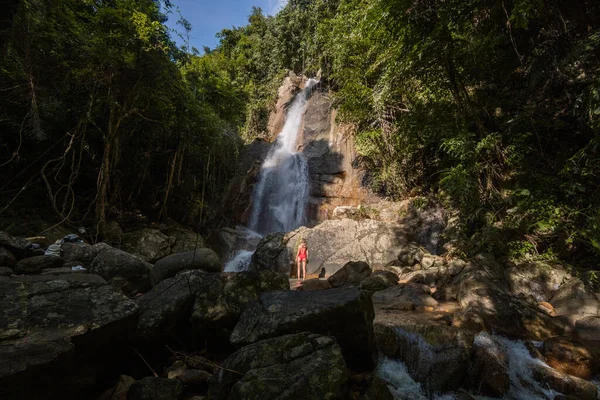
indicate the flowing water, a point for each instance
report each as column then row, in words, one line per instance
column 281, row 195
column 520, row 365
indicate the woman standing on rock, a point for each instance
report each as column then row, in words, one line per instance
column 302, row 257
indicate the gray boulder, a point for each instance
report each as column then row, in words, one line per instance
column 5, row 271
column 18, row 246
column 345, row 313
column 575, row 300
column 379, row 280
column 169, row 266
column 152, row 388
column 298, row 366
column 588, row 327
column 271, row 255
column 113, row 263
column 7, row 259
column 35, row 265
column 224, row 297
column 536, row 279
column 350, row 274
column 82, row 252
column 148, row 244
column 333, row 242
column 43, row 320
column 168, row 303
column 185, row 239
column 404, row 297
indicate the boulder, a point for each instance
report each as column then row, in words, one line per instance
column 81, row 252
column 575, row 300
column 148, row 244
column 35, row 265
column 480, row 295
column 119, row 391
column 564, row 383
column 168, row 303
column 7, row 258
column 410, row 254
column 351, row 274
column 314, row 284
column 272, row 255
column 76, row 278
column 5, row 271
column 536, row 279
column 377, row 390
column 404, row 297
column 488, row 370
column 296, row 366
column 112, row 263
column 435, row 355
column 569, row 356
column 345, row 313
column 16, row 245
column 379, row 280
column 333, row 242
column 113, row 233
column 195, row 377
column 51, row 328
column 169, row 266
column 185, row 239
column 224, row 297
column 588, row 328
column 152, row 388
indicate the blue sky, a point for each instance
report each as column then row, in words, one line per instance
column 211, row 16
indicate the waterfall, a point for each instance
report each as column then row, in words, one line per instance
column 281, row 195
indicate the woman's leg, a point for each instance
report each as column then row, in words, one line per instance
column 298, row 264
column 304, row 267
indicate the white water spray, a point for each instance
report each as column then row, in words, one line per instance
column 281, row 195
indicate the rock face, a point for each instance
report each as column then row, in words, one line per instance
column 167, row 267
column 351, row 274
column 569, row 356
column 112, row 263
column 148, row 244
column 43, row 320
column 35, row 265
column 333, row 243
column 224, row 297
column 152, row 388
column 297, row 366
column 344, row 313
column 80, row 252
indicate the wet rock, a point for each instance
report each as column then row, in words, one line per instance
column 536, row 279
column 297, row 366
column 168, row 303
column 488, row 371
column 35, row 265
column 16, row 245
column 379, row 280
column 377, row 390
column 564, row 383
column 576, row 300
column 148, row 244
column 152, row 388
column 167, row 267
column 314, row 284
column 403, row 297
column 5, row 271
column 569, row 356
column 351, row 274
column 111, row 263
column 81, row 252
column 224, row 297
column 345, row 313
column 436, row 355
column 7, row 258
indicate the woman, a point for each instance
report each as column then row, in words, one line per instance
column 302, row 258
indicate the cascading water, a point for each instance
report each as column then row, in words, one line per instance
column 281, row 195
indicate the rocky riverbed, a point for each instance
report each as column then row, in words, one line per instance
column 153, row 317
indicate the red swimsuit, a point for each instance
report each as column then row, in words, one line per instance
column 302, row 253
